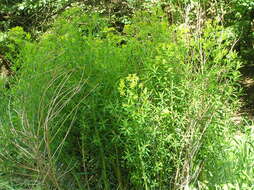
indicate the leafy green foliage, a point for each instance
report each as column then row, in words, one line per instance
column 12, row 42
column 92, row 107
column 29, row 14
column 241, row 16
column 233, row 166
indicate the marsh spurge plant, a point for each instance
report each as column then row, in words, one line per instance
column 155, row 111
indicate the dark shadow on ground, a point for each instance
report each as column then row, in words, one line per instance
column 247, row 83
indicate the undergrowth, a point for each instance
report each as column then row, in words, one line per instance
column 147, row 108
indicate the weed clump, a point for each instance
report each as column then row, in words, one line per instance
column 149, row 114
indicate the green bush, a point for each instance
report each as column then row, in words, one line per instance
column 92, row 108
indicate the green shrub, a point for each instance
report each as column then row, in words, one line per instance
column 92, row 108
column 177, row 109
